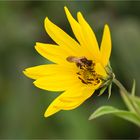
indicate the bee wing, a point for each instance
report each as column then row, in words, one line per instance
column 71, row 58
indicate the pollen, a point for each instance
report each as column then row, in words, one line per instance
column 87, row 75
column 86, row 70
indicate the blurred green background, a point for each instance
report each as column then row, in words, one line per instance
column 22, row 105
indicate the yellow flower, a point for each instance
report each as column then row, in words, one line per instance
column 79, row 68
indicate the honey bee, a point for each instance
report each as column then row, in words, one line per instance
column 80, row 61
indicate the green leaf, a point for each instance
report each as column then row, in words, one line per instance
column 104, row 110
column 127, row 101
column 136, row 99
column 102, row 90
column 133, row 88
column 136, row 102
column 109, row 90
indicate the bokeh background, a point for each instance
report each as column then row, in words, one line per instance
column 22, row 105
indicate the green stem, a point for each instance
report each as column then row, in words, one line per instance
column 121, row 87
column 126, row 97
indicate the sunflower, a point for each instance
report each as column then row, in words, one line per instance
column 79, row 67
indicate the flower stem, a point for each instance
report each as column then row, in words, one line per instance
column 126, row 98
column 121, row 87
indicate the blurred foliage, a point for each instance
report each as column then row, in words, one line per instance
column 22, row 105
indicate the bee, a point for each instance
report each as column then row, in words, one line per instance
column 80, row 61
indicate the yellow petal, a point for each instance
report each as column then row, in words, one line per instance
column 77, row 30
column 54, row 53
column 75, row 27
column 60, row 37
column 57, row 82
column 105, row 46
column 69, row 100
column 89, row 36
column 45, row 70
column 100, row 70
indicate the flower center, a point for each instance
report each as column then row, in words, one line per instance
column 86, row 70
